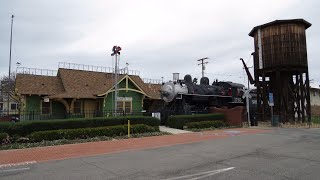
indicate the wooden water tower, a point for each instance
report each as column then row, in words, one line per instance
column 281, row 68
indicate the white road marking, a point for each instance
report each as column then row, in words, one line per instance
column 233, row 131
column 203, row 174
column 218, row 171
column 11, row 170
column 17, row 164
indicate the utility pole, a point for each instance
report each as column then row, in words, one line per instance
column 202, row 64
column 116, row 52
column 9, row 79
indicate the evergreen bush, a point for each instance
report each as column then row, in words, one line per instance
column 179, row 121
column 27, row 127
column 84, row 133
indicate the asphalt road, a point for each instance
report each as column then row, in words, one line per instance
column 280, row 154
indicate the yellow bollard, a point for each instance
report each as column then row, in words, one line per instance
column 128, row 128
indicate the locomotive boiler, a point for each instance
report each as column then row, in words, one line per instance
column 187, row 97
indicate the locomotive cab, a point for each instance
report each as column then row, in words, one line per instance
column 234, row 90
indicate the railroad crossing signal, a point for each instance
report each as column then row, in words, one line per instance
column 246, row 93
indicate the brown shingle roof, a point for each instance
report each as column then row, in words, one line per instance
column 152, row 90
column 76, row 84
column 84, row 84
column 35, row 84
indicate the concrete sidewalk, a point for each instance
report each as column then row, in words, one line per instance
column 172, row 130
column 60, row 152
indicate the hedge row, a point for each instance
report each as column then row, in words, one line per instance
column 27, row 127
column 84, row 133
column 206, row 124
column 179, row 121
column 3, row 136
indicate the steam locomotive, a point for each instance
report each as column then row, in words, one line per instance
column 187, row 97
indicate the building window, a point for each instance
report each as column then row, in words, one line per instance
column 1, row 106
column 127, row 106
column 124, row 106
column 77, row 107
column 14, row 106
column 120, row 106
column 45, row 107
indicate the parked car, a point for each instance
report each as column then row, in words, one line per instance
column 9, row 118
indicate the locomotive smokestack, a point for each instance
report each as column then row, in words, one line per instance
column 175, row 77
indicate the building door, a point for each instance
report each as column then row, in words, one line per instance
column 89, row 108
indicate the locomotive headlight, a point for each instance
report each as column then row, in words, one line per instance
column 167, row 92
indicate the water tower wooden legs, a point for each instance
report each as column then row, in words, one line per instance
column 291, row 95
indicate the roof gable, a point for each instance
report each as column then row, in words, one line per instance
column 126, row 79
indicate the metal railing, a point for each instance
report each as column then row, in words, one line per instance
column 84, row 67
column 93, row 68
column 36, row 71
column 38, row 115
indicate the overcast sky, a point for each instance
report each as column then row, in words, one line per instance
column 158, row 37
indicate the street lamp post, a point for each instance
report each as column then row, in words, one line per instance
column 9, row 79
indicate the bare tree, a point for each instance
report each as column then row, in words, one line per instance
column 7, row 89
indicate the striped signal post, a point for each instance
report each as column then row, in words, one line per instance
column 247, row 95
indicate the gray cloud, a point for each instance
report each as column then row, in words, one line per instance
column 158, row 37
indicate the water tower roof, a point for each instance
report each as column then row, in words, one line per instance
column 302, row 21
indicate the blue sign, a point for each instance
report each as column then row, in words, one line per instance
column 271, row 103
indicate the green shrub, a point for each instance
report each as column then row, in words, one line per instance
column 26, row 127
column 206, row 124
column 179, row 121
column 3, row 136
column 4, row 126
column 84, row 133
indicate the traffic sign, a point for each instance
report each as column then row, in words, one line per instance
column 271, row 102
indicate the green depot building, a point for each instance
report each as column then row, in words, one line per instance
column 80, row 93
